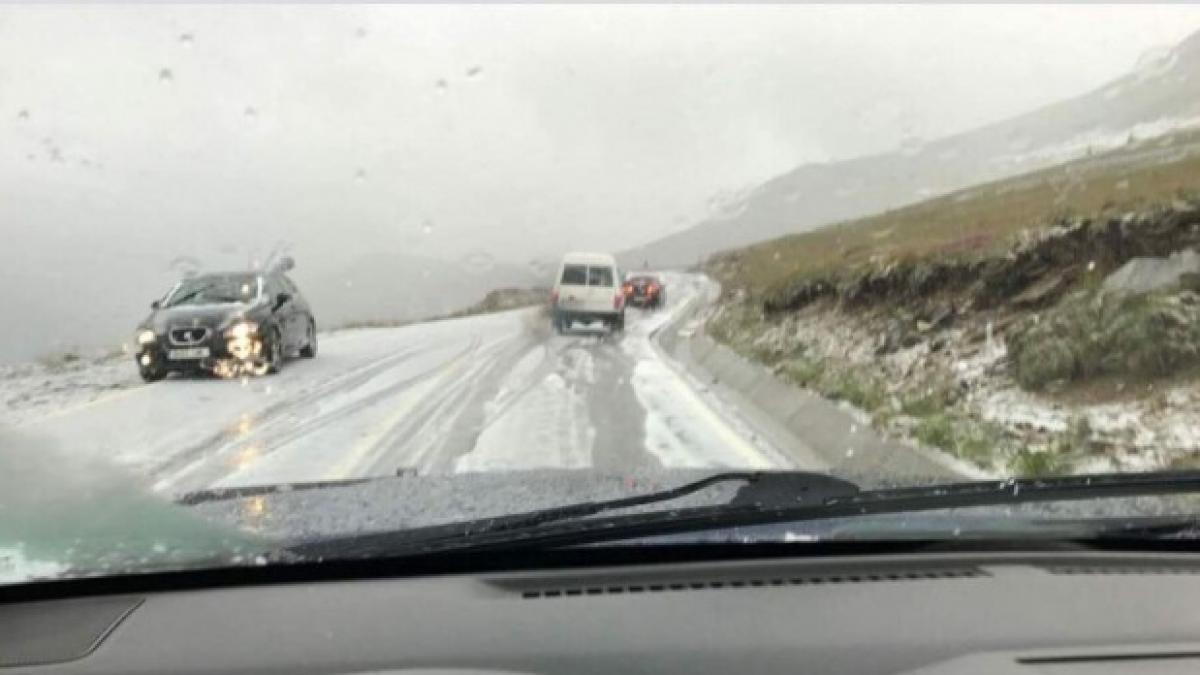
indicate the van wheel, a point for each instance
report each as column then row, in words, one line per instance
column 619, row 323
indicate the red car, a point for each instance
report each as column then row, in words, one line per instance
column 644, row 290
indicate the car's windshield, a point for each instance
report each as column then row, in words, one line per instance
column 575, row 275
column 283, row 272
column 208, row 290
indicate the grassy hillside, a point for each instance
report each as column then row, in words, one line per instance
column 974, row 223
column 978, row 323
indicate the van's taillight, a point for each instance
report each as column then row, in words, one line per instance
column 618, row 300
column 554, row 297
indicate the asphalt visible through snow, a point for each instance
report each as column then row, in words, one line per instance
column 490, row 393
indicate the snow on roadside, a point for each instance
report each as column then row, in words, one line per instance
column 538, row 420
column 546, row 427
column 30, row 391
column 685, row 426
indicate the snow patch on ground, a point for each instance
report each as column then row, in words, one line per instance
column 1098, row 140
column 682, row 431
column 30, row 391
column 685, row 427
column 547, row 427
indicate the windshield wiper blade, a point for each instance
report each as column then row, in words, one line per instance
column 188, row 296
column 767, row 498
column 760, row 488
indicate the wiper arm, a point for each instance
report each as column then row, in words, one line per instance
column 188, row 296
column 765, row 499
column 760, row 488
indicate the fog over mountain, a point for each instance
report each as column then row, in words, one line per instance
column 1159, row 94
column 412, row 157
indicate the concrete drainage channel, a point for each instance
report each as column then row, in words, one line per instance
column 815, row 430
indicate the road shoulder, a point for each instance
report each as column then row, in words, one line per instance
column 815, row 431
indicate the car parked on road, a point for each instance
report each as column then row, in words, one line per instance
column 645, row 290
column 231, row 323
column 588, row 289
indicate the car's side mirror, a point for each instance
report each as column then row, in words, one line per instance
column 155, row 305
column 282, row 299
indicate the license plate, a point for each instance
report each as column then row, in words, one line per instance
column 190, row 353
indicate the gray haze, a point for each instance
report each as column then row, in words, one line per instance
column 137, row 141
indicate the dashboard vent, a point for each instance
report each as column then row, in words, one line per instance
column 674, row 585
column 1124, row 570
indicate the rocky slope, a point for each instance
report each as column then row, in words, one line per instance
column 1074, row 347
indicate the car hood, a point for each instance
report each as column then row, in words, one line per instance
column 139, row 531
column 215, row 316
column 314, row 511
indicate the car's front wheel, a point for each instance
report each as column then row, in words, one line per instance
column 151, row 374
column 309, row 350
column 273, row 361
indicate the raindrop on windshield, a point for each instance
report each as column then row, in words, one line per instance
column 165, row 75
column 427, row 227
column 360, row 32
column 478, row 262
column 23, row 114
column 360, row 175
column 186, row 39
column 250, row 111
column 474, row 71
column 539, row 267
column 441, row 85
column 911, row 146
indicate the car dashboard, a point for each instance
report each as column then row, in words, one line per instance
column 1052, row 612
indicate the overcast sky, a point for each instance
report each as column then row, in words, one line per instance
column 516, row 131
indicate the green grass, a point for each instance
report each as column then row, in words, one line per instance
column 1029, row 463
column 1092, row 334
column 805, row 371
column 980, row 443
column 936, row 431
column 858, row 389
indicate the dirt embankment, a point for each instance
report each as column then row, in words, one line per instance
column 1022, row 362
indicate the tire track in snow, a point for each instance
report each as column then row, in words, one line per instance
column 333, row 404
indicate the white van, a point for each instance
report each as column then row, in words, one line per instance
column 588, row 288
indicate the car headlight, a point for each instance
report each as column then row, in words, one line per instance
column 146, row 337
column 241, row 330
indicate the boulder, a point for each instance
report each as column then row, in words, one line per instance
column 1141, row 275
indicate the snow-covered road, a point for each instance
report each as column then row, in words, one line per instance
column 488, row 393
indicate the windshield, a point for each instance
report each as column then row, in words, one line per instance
column 433, row 263
column 209, row 290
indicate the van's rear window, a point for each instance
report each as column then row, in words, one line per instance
column 575, row 275
column 600, row 276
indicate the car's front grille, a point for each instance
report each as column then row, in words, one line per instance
column 188, row 336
